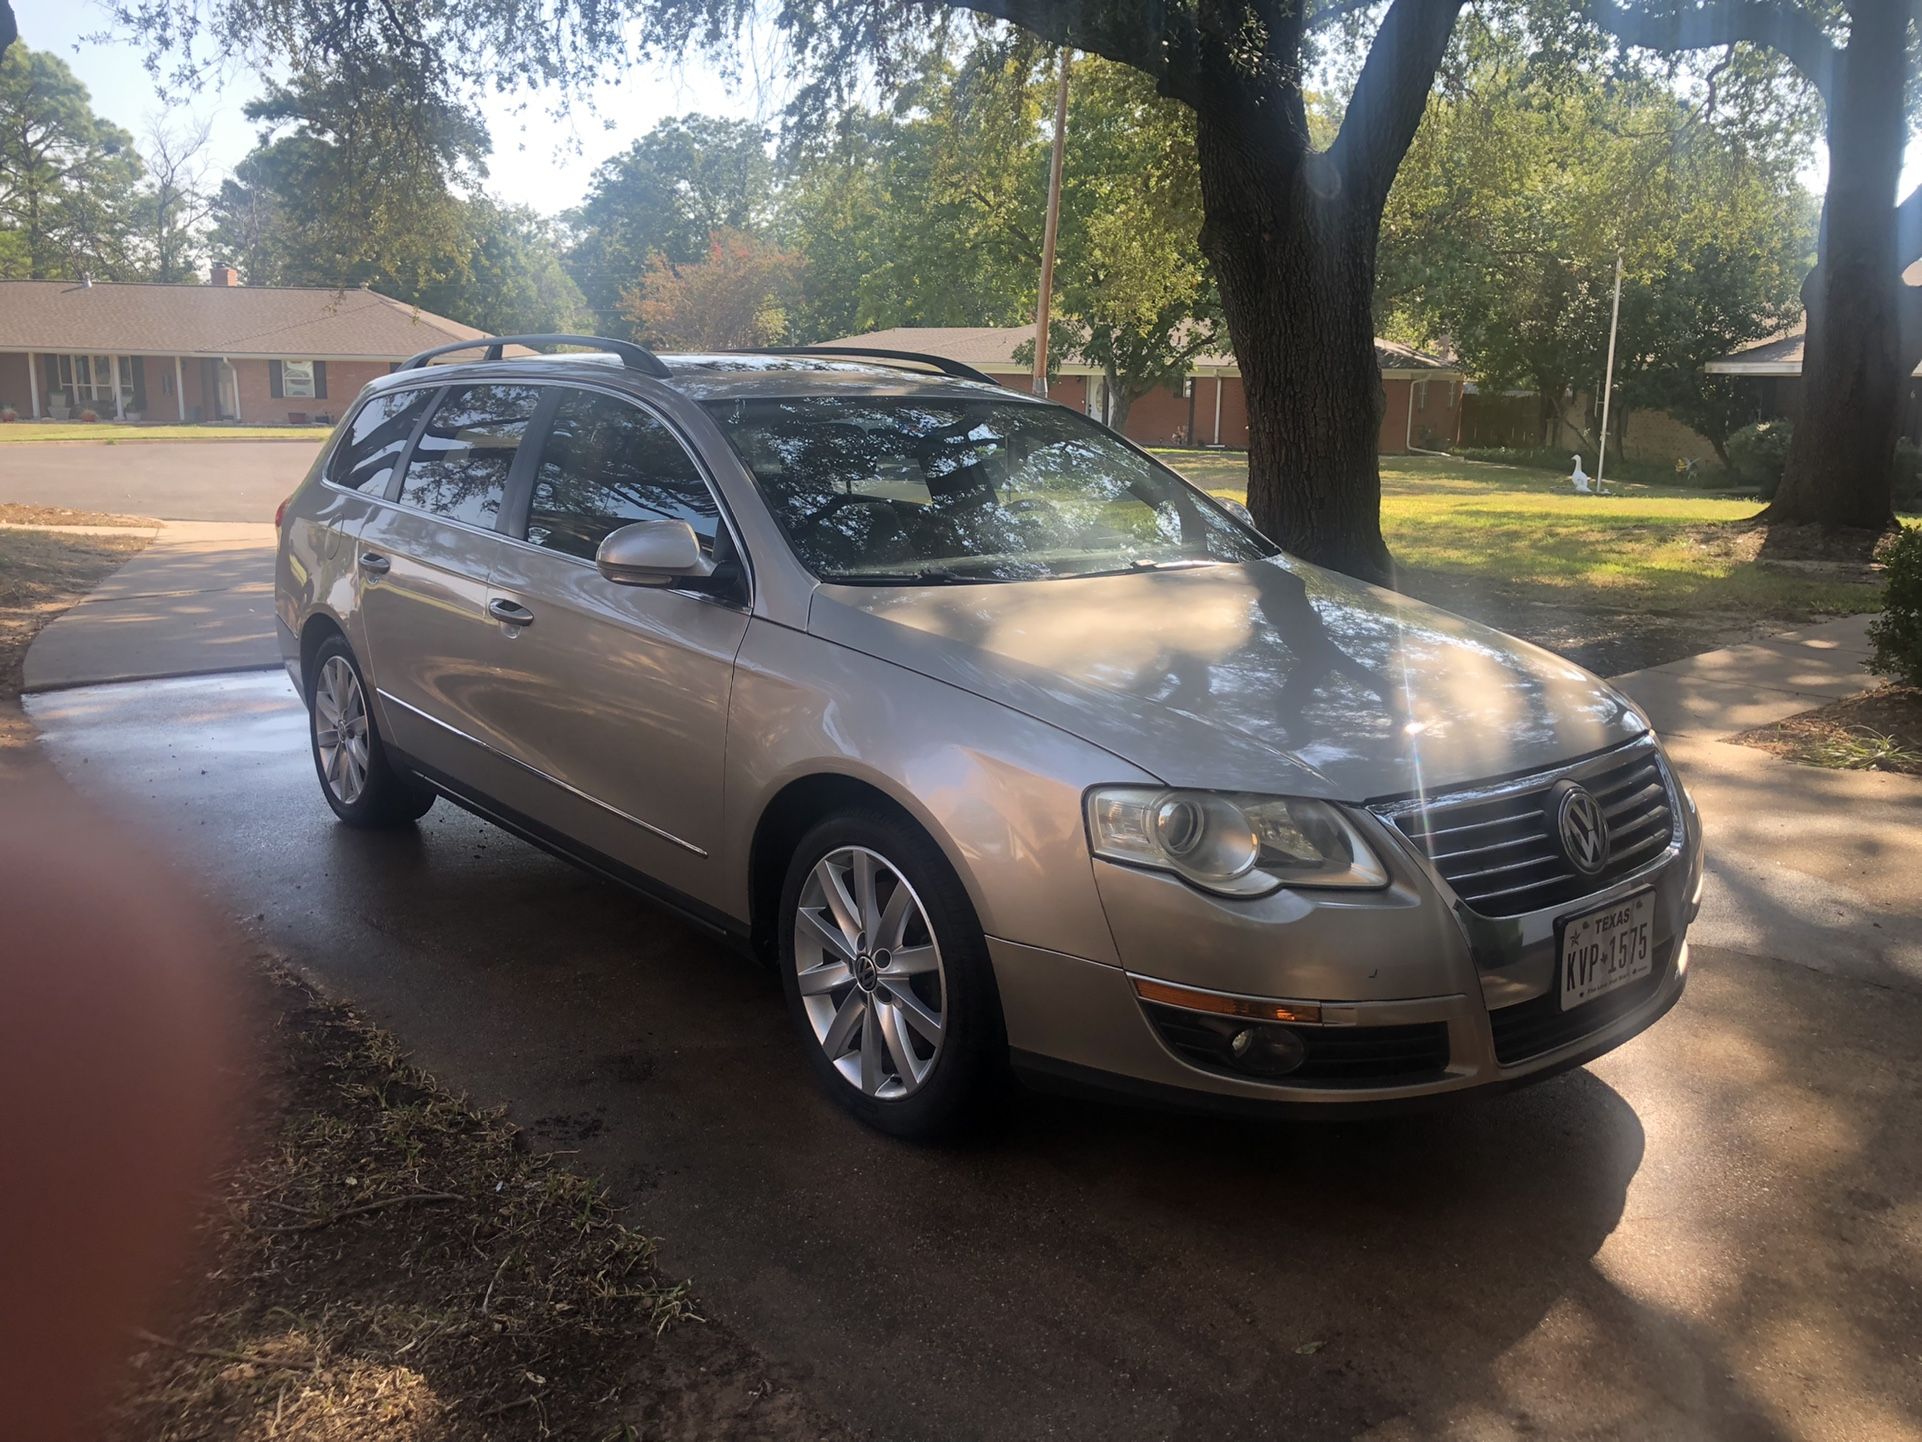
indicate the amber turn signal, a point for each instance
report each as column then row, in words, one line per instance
column 1242, row 1006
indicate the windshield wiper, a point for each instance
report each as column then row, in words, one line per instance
column 1141, row 564
column 926, row 576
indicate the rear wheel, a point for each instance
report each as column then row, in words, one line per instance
column 356, row 777
column 887, row 975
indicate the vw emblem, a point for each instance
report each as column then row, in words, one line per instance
column 1580, row 827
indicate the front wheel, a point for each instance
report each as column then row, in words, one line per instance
column 359, row 782
column 887, row 976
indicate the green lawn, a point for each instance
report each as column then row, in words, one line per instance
column 1659, row 548
column 110, row 432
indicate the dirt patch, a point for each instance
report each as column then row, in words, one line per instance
column 1879, row 730
column 391, row 1262
column 1606, row 640
column 14, row 513
column 42, row 573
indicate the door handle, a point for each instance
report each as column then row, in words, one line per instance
column 375, row 564
column 509, row 613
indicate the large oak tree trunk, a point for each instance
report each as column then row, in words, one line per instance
column 1295, row 260
column 1855, row 366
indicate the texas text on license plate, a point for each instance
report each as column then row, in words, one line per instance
column 1607, row 948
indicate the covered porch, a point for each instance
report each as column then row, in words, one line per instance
column 62, row 385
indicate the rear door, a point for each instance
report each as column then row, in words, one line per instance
column 614, row 698
column 424, row 560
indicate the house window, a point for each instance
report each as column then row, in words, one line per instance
column 297, row 379
column 88, row 379
column 1421, row 395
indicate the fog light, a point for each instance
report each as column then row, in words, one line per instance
column 1267, row 1050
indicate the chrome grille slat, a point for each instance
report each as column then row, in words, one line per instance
column 1637, row 801
column 1493, row 846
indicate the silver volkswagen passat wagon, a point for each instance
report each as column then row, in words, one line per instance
column 1001, row 740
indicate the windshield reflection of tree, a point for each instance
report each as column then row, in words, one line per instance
column 605, row 465
column 984, row 490
column 459, row 468
column 371, row 455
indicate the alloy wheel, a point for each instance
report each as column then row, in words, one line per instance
column 869, row 971
column 341, row 730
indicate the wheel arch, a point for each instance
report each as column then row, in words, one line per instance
column 793, row 810
column 314, row 633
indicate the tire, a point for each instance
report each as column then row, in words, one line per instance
column 358, row 780
column 865, row 998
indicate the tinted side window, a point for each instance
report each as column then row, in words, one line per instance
column 459, row 468
column 607, row 463
column 370, row 450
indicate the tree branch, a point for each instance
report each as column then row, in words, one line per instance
column 1390, row 95
column 1158, row 37
column 1792, row 33
column 9, row 27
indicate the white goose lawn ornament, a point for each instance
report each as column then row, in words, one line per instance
column 1580, row 477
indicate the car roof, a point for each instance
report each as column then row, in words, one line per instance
column 717, row 376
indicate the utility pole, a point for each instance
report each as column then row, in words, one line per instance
column 1608, row 377
column 1046, row 301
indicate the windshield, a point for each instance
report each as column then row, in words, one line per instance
column 885, row 489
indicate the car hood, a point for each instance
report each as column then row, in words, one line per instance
column 1271, row 676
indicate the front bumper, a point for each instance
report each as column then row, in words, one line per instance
column 1412, row 996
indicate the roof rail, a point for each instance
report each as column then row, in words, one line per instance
column 940, row 362
column 634, row 357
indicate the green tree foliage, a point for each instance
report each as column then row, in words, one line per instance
column 931, row 214
column 385, row 194
column 513, row 280
column 357, row 180
column 1528, row 177
column 666, row 194
column 69, row 179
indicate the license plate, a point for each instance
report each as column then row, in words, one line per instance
column 1607, row 948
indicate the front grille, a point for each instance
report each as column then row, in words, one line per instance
column 1533, row 1027
column 1497, row 851
column 1333, row 1056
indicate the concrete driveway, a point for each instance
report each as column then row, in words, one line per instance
column 1712, row 1233
column 169, row 480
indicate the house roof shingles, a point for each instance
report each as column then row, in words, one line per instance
column 213, row 320
column 995, row 345
column 1781, row 355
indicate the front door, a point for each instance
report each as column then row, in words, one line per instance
column 614, row 698
column 423, row 563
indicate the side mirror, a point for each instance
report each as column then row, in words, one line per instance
column 653, row 553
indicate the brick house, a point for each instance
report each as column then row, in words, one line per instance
column 1208, row 409
column 260, row 355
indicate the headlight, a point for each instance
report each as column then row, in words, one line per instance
column 1229, row 843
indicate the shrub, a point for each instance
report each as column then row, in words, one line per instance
column 1757, row 454
column 1897, row 633
column 8, row 413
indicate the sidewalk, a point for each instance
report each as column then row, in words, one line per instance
column 1804, row 863
column 198, row 600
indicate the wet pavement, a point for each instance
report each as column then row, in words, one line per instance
column 1714, row 1232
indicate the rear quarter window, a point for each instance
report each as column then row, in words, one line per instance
column 365, row 459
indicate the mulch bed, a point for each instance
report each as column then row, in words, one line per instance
column 1879, row 730
column 392, row 1263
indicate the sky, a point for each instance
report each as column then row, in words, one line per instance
column 538, row 160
